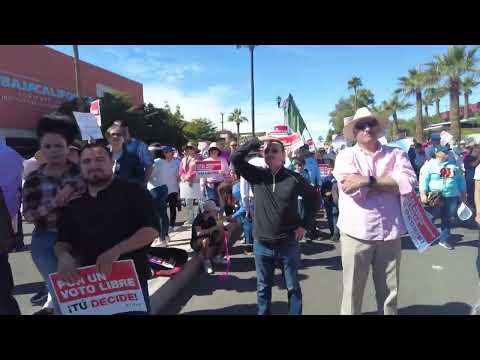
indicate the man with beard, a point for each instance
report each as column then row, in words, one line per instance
column 113, row 220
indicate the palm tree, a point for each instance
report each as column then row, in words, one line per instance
column 450, row 67
column 237, row 118
column 435, row 94
column 393, row 106
column 466, row 85
column 412, row 85
column 427, row 101
column 354, row 84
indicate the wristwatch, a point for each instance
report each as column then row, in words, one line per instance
column 371, row 181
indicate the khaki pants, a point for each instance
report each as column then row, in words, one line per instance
column 384, row 257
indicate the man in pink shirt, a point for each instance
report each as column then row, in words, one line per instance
column 371, row 177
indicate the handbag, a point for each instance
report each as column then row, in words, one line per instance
column 434, row 199
column 7, row 236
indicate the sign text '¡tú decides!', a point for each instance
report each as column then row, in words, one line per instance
column 97, row 294
column 10, row 82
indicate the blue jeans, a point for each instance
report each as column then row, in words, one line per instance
column 212, row 193
column 247, row 225
column 266, row 256
column 160, row 195
column 446, row 212
column 45, row 260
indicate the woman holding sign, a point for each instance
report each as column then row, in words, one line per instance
column 189, row 186
column 211, row 183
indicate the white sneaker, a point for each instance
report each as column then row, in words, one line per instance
column 159, row 243
column 207, row 265
column 220, row 260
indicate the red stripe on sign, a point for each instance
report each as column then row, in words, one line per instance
column 92, row 283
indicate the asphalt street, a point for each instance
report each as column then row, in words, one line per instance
column 437, row 282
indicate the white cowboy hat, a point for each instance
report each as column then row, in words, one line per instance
column 362, row 113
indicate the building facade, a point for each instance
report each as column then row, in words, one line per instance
column 35, row 80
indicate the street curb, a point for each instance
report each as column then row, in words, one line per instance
column 161, row 298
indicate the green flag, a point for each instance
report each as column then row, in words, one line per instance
column 295, row 120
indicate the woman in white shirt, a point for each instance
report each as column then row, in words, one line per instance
column 165, row 172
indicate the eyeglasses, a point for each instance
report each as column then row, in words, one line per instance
column 116, row 135
column 364, row 124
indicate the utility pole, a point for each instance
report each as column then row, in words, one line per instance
column 252, row 85
column 77, row 77
column 252, row 47
column 222, row 119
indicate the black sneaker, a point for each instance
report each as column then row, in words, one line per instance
column 248, row 250
column 45, row 311
column 335, row 238
column 40, row 297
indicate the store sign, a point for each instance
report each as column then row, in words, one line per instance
column 10, row 82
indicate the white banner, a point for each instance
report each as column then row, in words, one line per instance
column 87, row 122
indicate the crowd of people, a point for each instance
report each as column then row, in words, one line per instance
column 96, row 202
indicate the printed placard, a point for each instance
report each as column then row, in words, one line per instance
column 325, row 170
column 97, row 294
column 87, row 122
column 421, row 230
column 208, row 167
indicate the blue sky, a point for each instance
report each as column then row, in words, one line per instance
column 207, row 80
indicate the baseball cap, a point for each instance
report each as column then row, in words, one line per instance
column 168, row 148
column 209, row 206
column 442, row 148
column 435, row 137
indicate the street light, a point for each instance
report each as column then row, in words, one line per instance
column 251, row 48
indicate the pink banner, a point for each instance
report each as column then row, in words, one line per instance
column 207, row 168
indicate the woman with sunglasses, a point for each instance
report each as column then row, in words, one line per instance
column 126, row 165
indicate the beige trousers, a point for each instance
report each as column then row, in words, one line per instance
column 384, row 257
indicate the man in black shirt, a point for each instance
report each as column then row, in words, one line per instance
column 277, row 223
column 113, row 220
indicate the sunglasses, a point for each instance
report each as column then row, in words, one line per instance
column 116, row 135
column 364, row 124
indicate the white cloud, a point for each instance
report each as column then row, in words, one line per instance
column 206, row 104
column 144, row 64
column 216, row 99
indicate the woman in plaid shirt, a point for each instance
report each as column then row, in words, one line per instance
column 47, row 190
